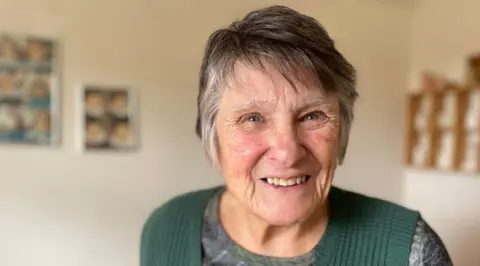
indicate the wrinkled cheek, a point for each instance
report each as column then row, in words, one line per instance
column 332, row 148
column 328, row 160
column 246, row 145
column 242, row 152
column 245, row 148
column 327, row 145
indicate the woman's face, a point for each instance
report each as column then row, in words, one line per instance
column 270, row 132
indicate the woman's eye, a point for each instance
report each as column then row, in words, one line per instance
column 254, row 118
column 315, row 116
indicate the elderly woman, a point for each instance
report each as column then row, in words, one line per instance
column 275, row 109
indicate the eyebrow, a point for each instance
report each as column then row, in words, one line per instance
column 258, row 103
column 253, row 104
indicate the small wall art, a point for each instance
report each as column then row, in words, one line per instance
column 109, row 119
column 29, row 89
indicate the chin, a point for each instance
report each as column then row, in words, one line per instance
column 281, row 216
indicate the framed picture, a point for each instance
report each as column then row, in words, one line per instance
column 29, row 90
column 109, row 119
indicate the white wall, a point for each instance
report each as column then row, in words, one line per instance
column 445, row 33
column 62, row 208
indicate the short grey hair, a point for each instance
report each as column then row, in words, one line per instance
column 295, row 44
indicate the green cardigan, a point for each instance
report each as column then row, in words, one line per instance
column 361, row 231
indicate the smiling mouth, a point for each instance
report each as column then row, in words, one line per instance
column 294, row 181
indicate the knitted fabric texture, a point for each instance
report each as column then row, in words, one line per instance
column 361, row 231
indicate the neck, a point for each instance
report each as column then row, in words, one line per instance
column 257, row 236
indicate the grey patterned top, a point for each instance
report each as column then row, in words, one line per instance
column 219, row 250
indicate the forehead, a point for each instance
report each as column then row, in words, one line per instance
column 269, row 85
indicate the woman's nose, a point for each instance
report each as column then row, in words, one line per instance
column 286, row 149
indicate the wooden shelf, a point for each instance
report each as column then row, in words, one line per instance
column 443, row 129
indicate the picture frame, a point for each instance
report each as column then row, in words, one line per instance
column 29, row 90
column 109, row 119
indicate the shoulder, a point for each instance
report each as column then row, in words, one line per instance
column 370, row 207
column 427, row 247
column 406, row 228
column 180, row 207
column 394, row 223
column 391, row 225
column 173, row 224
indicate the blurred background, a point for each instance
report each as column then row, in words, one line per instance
column 67, row 205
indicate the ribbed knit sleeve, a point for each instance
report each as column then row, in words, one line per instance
column 171, row 235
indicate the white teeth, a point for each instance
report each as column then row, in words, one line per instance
column 287, row 182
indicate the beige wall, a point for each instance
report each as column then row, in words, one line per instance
column 62, row 208
column 445, row 32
